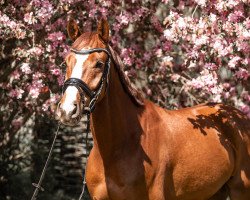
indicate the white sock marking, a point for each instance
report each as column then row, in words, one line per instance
column 71, row 91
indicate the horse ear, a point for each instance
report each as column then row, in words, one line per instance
column 73, row 30
column 103, row 30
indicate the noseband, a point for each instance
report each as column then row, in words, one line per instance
column 82, row 86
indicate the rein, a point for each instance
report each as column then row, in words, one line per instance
column 82, row 87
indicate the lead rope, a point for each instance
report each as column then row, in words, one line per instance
column 87, row 110
column 38, row 185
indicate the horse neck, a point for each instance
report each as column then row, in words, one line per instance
column 115, row 123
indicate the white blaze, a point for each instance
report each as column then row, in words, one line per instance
column 71, row 91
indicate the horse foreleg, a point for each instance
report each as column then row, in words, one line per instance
column 239, row 183
column 239, row 187
column 222, row 194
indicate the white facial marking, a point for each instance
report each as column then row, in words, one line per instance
column 71, row 91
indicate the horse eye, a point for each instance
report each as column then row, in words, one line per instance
column 99, row 64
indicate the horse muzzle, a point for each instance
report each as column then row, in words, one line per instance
column 69, row 114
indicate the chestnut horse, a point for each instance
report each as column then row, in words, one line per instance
column 142, row 151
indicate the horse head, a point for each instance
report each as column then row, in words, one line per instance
column 87, row 71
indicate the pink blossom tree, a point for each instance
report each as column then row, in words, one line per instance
column 191, row 51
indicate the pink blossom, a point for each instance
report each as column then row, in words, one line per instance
column 236, row 16
column 206, row 81
column 37, row 51
column 211, row 66
column 232, row 3
column 181, row 23
column 245, row 109
column 234, row 61
column 175, row 77
column 123, row 18
column 34, row 92
column 202, row 23
column 246, row 96
column 213, row 17
column 202, row 3
column 243, row 46
column 226, row 95
column 56, row 72
column 56, row 36
column 15, row 75
column 221, row 6
column 159, row 53
column 165, row 1
column 242, row 74
column 247, row 23
column 246, row 61
column 60, row 79
column 25, row 68
column 228, row 27
column 222, row 47
column 16, row 93
column 92, row 12
column 45, row 106
column 173, row 15
column 104, row 11
column 167, row 45
column 28, row 17
column 156, row 23
column 44, row 10
column 127, row 54
column 246, row 34
column 167, row 59
column 216, row 98
column 53, row 100
column 169, row 34
column 36, row 86
column 216, row 90
column 149, row 92
column 141, row 12
column 204, row 39
column 4, row 19
column 226, row 85
column 127, row 61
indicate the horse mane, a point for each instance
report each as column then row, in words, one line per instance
column 130, row 89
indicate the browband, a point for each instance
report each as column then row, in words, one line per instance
column 88, row 51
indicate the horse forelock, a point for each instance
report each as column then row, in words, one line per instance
column 88, row 40
column 136, row 95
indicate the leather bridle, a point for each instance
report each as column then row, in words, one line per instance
column 83, row 87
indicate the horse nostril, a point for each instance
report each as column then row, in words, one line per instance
column 75, row 111
column 58, row 113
